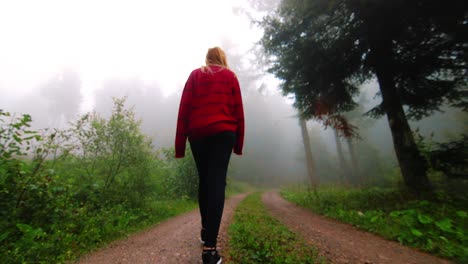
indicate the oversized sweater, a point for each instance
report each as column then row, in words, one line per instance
column 211, row 103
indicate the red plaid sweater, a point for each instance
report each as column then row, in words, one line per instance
column 211, row 103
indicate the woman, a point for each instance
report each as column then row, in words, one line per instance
column 211, row 116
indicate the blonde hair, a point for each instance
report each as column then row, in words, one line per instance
column 215, row 56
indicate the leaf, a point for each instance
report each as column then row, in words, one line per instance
column 395, row 213
column 444, row 239
column 424, row 219
column 17, row 139
column 462, row 214
column 429, row 244
column 444, row 225
column 4, row 236
column 416, row 232
column 24, row 227
column 424, row 203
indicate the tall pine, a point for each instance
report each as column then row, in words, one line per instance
column 416, row 50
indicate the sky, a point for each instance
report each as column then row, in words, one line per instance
column 155, row 41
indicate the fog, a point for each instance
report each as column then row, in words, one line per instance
column 56, row 81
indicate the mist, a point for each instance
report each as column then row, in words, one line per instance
column 58, row 93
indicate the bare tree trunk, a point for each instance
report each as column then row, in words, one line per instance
column 308, row 153
column 354, row 162
column 343, row 167
column 412, row 164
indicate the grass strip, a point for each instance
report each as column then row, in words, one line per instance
column 256, row 237
column 436, row 227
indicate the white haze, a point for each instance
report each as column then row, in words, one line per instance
column 155, row 41
column 60, row 59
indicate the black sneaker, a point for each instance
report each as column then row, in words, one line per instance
column 211, row 257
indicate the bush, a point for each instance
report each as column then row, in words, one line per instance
column 69, row 191
column 111, row 157
column 181, row 178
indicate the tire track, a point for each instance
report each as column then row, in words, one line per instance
column 172, row 241
column 339, row 242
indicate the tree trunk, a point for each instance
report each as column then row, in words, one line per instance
column 308, row 153
column 412, row 165
column 354, row 162
column 343, row 167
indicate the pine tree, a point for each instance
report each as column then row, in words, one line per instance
column 323, row 50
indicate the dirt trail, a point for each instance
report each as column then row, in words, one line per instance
column 342, row 243
column 172, row 241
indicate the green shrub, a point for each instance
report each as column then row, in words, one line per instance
column 68, row 192
column 110, row 156
column 234, row 187
column 181, row 179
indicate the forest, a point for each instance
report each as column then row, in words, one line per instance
column 355, row 110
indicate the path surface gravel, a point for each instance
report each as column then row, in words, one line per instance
column 339, row 242
column 176, row 240
column 172, row 241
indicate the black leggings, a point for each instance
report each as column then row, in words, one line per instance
column 212, row 156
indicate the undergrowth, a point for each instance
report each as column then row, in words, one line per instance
column 438, row 226
column 67, row 192
column 256, row 237
column 234, row 187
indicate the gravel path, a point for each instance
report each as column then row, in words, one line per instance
column 176, row 240
column 339, row 242
column 172, row 241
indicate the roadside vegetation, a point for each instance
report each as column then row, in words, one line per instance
column 256, row 237
column 67, row 192
column 234, row 187
column 438, row 226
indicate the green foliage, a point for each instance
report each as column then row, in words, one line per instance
column 438, row 226
column 256, row 237
column 448, row 163
column 451, row 158
column 234, row 187
column 28, row 192
column 322, row 50
column 181, row 179
column 14, row 135
column 111, row 156
column 67, row 192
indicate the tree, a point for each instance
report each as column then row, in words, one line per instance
column 344, row 169
column 63, row 95
column 354, row 162
column 362, row 122
column 111, row 155
column 311, row 172
column 272, row 129
column 323, row 50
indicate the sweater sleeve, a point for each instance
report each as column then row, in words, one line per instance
column 239, row 115
column 183, row 118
